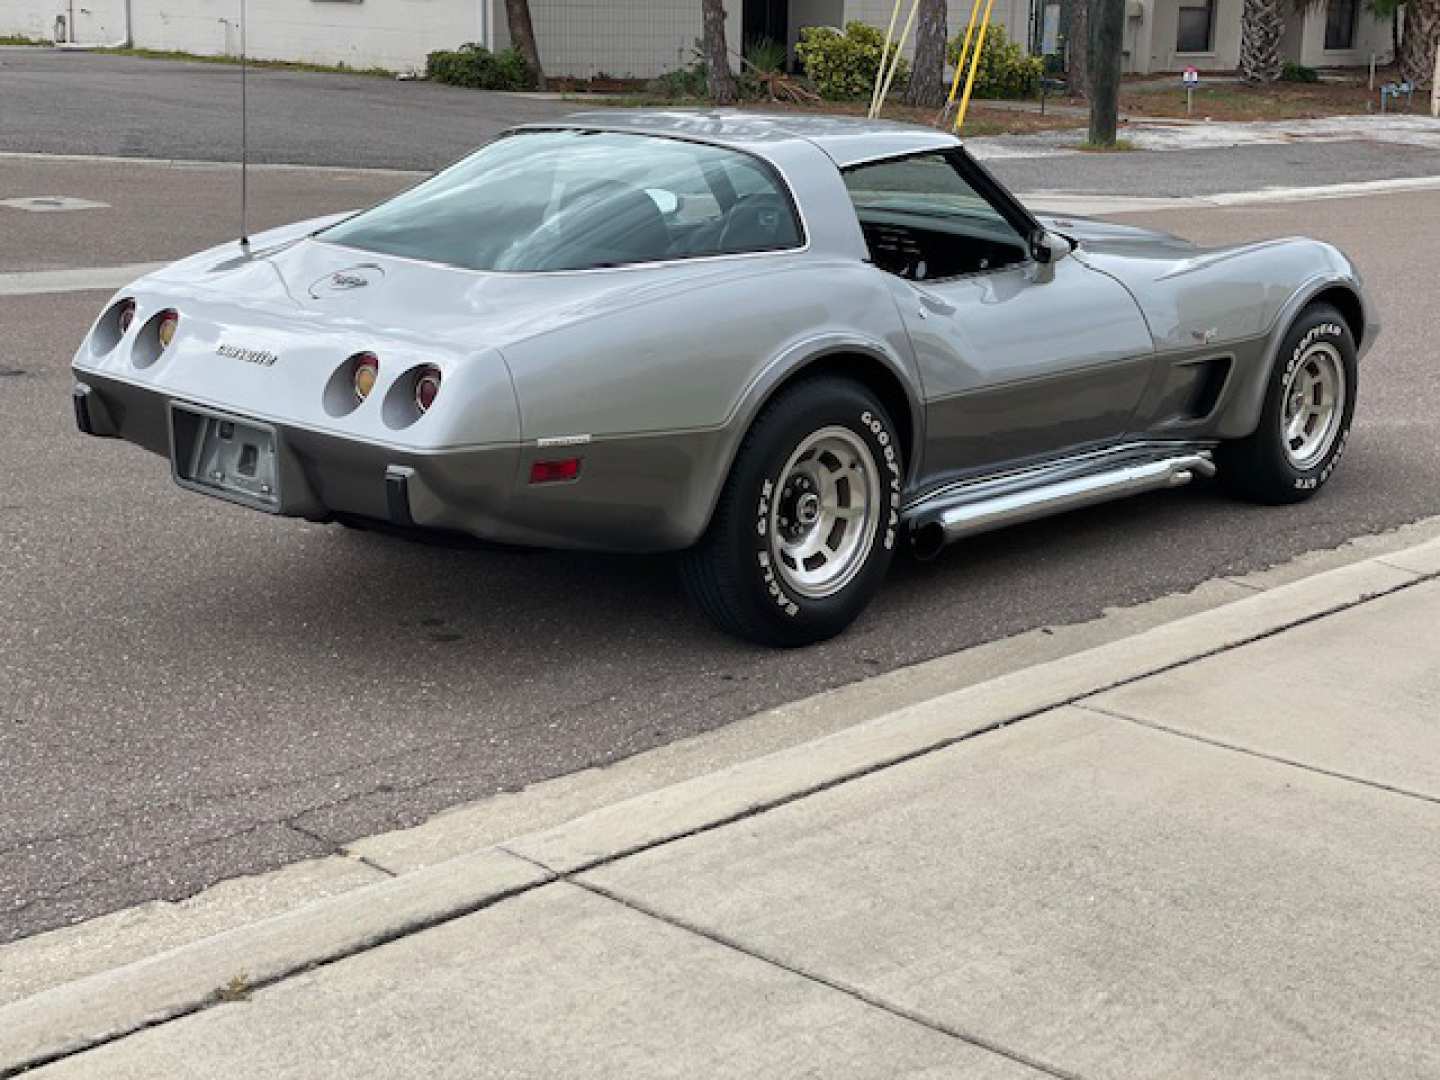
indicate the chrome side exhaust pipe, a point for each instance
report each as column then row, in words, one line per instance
column 943, row 525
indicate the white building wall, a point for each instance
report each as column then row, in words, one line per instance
column 1372, row 36
column 638, row 38
column 1012, row 15
column 394, row 34
column 623, row 38
column 1304, row 40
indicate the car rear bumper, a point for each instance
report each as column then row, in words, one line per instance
column 636, row 494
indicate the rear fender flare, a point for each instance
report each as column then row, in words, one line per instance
column 814, row 353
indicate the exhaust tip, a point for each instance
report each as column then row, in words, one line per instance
column 926, row 540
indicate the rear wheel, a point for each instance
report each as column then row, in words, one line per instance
column 1305, row 420
column 806, row 525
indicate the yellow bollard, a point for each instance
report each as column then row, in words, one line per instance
column 885, row 51
column 974, row 66
column 895, row 67
column 964, row 52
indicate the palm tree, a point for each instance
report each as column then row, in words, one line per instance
column 1262, row 24
column 522, row 36
column 720, row 80
column 1077, row 49
column 927, row 76
column 1422, row 39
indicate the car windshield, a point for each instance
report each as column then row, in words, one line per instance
column 926, row 185
column 581, row 200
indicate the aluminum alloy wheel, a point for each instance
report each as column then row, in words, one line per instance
column 825, row 512
column 1314, row 406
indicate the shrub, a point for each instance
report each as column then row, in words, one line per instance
column 1293, row 72
column 843, row 66
column 477, row 67
column 688, row 82
column 765, row 57
column 1005, row 69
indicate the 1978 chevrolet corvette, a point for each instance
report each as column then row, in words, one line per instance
column 785, row 345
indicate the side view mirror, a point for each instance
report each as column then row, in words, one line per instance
column 1047, row 248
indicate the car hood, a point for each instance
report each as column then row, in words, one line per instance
column 1190, row 294
column 1106, row 236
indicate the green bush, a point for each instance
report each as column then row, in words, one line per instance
column 843, row 66
column 1005, row 69
column 1293, row 72
column 681, row 83
column 477, row 67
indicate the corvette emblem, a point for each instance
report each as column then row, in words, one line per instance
column 347, row 280
column 261, row 357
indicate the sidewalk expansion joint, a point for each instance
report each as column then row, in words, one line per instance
column 1277, row 759
column 214, row 999
column 854, row 992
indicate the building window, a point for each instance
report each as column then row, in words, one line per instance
column 1195, row 27
column 1340, row 19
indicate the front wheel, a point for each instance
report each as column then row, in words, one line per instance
column 1305, row 420
column 806, row 525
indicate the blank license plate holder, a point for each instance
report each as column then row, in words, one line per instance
column 229, row 457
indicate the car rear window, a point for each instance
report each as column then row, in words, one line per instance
column 582, row 200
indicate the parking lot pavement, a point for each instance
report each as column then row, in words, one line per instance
column 60, row 102
column 193, row 691
column 155, row 212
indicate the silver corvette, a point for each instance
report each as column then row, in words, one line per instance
column 783, row 345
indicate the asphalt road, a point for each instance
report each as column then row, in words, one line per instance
column 190, row 691
column 60, row 102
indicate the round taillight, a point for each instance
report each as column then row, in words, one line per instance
column 125, row 315
column 169, row 320
column 367, row 370
column 427, row 388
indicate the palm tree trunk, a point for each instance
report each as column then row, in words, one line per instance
column 1077, row 50
column 1422, row 37
column 927, row 75
column 1262, row 24
column 1107, row 30
column 719, row 79
column 522, row 36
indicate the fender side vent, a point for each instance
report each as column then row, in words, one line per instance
column 1212, row 376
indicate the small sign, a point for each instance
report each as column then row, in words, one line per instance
column 1192, row 77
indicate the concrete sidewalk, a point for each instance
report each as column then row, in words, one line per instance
column 1208, row 850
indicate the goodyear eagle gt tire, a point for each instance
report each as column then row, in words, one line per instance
column 808, row 520
column 1305, row 420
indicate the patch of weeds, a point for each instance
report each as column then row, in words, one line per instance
column 237, row 989
column 18, row 39
column 284, row 65
column 1120, row 146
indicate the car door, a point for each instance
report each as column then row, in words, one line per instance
column 1021, row 360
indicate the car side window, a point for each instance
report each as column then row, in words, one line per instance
column 923, row 220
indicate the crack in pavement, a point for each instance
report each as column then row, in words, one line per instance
column 859, row 994
column 1263, row 755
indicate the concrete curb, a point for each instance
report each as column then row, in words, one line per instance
column 109, row 1005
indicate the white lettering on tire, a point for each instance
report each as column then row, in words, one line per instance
column 1319, row 330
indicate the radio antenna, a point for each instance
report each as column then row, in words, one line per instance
column 244, row 138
